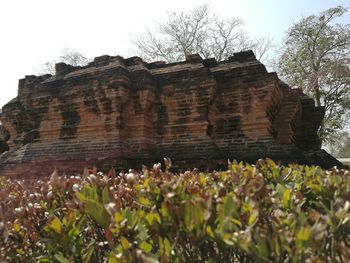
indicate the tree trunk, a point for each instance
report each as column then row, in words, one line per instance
column 316, row 89
column 317, row 96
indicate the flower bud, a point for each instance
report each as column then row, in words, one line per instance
column 19, row 212
column 92, row 178
column 156, row 167
column 111, row 208
column 75, row 187
column 49, row 195
column 130, row 178
column 167, row 162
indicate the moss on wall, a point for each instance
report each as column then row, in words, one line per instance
column 70, row 120
column 27, row 123
column 90, row 102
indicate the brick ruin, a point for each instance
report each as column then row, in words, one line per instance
column 126, row 112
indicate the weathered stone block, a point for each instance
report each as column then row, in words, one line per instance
column 125, row 112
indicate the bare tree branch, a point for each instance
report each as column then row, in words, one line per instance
column 68, row 56
column 198, row 31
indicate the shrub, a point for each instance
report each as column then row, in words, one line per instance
column 249, row 213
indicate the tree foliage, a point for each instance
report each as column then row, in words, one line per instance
column 316, row 58
column 344, row 151
column 341, row 147
column 198, row 31
column 68, row 56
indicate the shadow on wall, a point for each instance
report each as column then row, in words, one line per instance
column 4, row 137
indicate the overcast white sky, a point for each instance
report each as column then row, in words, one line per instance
column 33, row 32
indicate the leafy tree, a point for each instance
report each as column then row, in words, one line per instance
column 68, row 56
column 198, row 31
column 344, row 151
column 316, row 58
column 341, row 147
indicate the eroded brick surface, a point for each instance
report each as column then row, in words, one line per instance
column 125, row 112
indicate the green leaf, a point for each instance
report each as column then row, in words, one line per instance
column 87, row 193
column 43, row 205
column 189, row 217
column 105, row 195
column 236, row 221
column 210, row 232
column 80, row 196
column 88, row 252
column 304, row 234
column 69, row 219
column 253, row 217
column 151, row 217
column 167, row 247
column 60, row 258
column 16, row 227
column 144, row 201
column 97, row 212
column 280, row 190
column 43, row 259
column 164, row 210
column 145, row 246
column 202, row 180
column 286, row 197
column 112, row 258
column 74, row 232
column 161, row 245
column 20, row 251
column 118, row 217
column 146, row 182
column 271, row 163
column 229, row 207
column 55, row 225
column 142, row 234
column 194, row 215
column 263, row 248
column 125, row 243
column 135, row 217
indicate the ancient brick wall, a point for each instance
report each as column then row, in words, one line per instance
column 126, row 112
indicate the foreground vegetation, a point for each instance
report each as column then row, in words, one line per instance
column 249, row 213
